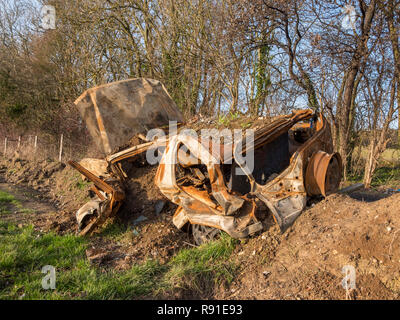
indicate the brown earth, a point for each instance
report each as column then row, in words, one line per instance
column 358, row 229
column 306, row 262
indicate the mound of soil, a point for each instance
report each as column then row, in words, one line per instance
column 39, row 190
column 307, row 261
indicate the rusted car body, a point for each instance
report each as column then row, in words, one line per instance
column 211, row 184
column 294, row 159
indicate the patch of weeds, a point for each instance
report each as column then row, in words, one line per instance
column 355, row 177
column 25, row 252
column 204, row 266
column 70, row 184
column 388, row 176
column 4, row 209
column 225, row 120
column 6, row 200
column 246, row 125
column 6, row 197
column 82, row 185
column 115, row 231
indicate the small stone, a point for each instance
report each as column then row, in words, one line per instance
column 240, row 253
column 159, row 206
column 389, row 229
column 266, row 273
column 140, row 219
column 334, row 252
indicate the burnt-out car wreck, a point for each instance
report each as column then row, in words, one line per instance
column 215, row 185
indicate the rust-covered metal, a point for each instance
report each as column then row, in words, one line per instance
column 221, row 209
column 211, row 185
column 286, row 195
column 116, row 112
column 285, row 151
column 109, row 198
column 323, row 173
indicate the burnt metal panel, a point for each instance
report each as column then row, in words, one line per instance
column 117, row 111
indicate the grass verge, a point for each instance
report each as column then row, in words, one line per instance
column 25, row 252
column 200, row 269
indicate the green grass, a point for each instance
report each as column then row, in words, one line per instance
column 205, row 265
column 24, row 252
column 73, row 185
column 82, row 185
column 114, row 230
column 117, row 232
column 388, row 171
column 226, row 119
column 7, row 200
column 387, row 176
column 5, row 197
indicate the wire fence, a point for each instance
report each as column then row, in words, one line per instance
column 35, row 147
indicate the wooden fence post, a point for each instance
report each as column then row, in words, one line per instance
column 61, row 147
column 5, row 146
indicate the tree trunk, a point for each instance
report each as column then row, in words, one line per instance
column 361, row 52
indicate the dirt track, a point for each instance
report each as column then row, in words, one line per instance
column 359, row 229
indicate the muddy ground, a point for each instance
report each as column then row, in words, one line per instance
column 360, row 229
